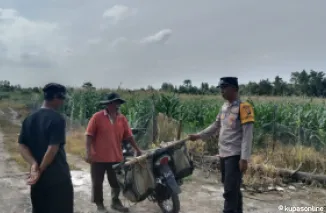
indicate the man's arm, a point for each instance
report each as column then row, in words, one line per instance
column 90, row 133
column 211, row 130
column 127, row 135
column 133, row 143
column 23, row 148
column 57, row 137
column 26, row 154
column 89, row 140
column 246, row 144
column 247, row 119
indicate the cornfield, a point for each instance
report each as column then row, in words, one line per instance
column 286, row 122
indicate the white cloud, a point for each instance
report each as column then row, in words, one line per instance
column 119, row 41
column 222, row 42
column 159, row 37
column 68, row 51
column 119, row 12
column 24, row 39
column 94, row 41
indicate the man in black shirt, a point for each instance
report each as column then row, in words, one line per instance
column 41, row 143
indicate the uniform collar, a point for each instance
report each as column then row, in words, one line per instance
column 234, row 103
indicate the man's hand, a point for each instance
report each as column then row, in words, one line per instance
column 34, row 174
column 243, row 165
column 88, row 158
column 193, row 137
column 139, row 153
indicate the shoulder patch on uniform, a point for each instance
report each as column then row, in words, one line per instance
column 246, row 113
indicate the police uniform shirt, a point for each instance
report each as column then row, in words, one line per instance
column 235, row 125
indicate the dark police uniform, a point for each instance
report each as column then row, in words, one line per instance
column 235, row 125
column 53, row 193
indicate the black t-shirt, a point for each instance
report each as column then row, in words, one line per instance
column 39, row 130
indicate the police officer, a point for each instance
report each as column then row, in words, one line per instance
column 235, row 125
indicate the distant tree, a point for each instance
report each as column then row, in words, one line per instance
column 167, row 87
column 187, row 83
column 88, row 85
column 204, row 87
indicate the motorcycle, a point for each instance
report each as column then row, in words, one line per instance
column 167, row 186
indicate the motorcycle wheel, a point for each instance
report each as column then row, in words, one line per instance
column 175, row 204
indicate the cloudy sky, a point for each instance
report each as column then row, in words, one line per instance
column 145, row 42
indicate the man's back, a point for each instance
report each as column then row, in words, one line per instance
column 39, row 130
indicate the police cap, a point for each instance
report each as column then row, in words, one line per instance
column 229, row 81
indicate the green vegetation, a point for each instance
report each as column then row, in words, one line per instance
column 290, row 120
column 289, row 131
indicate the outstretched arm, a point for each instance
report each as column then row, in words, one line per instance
column 210, row 130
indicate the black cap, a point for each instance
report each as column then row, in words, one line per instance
column 228, row 81
column 112, row 97
column 54, row 89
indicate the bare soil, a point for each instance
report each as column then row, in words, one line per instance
column 198, row 194
column 13, row 197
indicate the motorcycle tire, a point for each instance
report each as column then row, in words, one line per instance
column 176, row 204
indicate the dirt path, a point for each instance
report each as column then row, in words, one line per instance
column 13, row 197
column 198, row 194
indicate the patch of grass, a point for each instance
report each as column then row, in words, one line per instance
column 20, row 108
column 290, row 157
column 76, row 142
column 10, row 138
column 305, row 159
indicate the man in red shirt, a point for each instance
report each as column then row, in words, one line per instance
column 105, row 132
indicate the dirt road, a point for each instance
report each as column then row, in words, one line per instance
column 198, row 194
column 13, row 197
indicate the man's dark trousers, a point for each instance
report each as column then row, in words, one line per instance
column 54, row 198
column 231, row 178
column 98, row 171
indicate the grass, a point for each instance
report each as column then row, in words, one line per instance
column 11, row 132
column 284, row 156
column 298, row 157
column 21, row 108
column 76, row 142
column 289, row 156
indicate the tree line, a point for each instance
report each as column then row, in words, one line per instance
column 304, row 83
column 312, row 83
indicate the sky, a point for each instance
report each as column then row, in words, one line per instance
column 136, row 43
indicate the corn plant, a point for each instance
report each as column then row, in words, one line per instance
column 289, row 122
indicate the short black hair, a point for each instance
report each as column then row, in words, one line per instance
column 54, row 90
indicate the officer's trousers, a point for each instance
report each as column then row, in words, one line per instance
column 232, row 179
column 58, row 198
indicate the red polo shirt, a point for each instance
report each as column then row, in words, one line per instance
column 107, row 136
